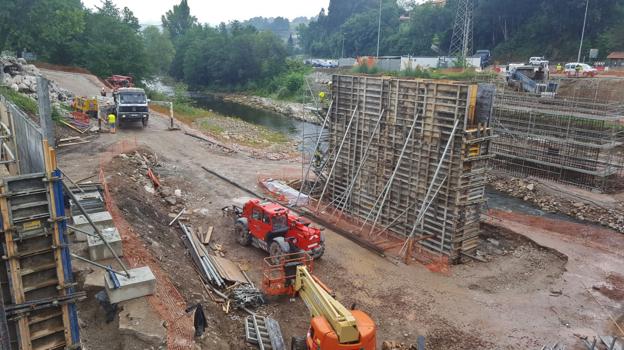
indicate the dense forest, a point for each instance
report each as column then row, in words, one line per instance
column 254, row 54
column 512, row 29
column 108, row 40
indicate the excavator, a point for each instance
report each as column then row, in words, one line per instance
column 333, row 326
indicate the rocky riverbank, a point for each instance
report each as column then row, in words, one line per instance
column 294, row 110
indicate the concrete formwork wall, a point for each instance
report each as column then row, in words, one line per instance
column 452, row 219
column 28, row 135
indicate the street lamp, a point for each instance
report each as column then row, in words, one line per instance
column 583, row 33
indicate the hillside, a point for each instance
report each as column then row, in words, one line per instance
column 512, row 29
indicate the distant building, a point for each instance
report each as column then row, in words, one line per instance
column 616, row 59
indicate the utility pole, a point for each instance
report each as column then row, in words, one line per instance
column 342, row 52
column 379, row 29
column 578, row 59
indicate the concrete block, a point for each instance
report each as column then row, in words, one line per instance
column 91, row 201
column 101, row 219
column 142, row 282
column 140, row 327
column 97, row 248
column 94, row 280
column 87, row 195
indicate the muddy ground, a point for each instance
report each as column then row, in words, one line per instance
column 521, row 299
column 553, row 282
column 516, row 264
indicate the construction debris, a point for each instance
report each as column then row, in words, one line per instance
column 247, row 296
column 22, row 77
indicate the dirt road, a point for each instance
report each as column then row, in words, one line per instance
column 533, row 292
column 80, row 84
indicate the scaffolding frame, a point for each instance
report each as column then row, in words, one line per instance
column 397, row 138
column 569, row 140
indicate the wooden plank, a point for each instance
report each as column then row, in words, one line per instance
column 231, row 271
column 50, row 164
column 208, row 235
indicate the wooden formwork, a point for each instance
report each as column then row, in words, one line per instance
column 36, row 276
column 387, row 146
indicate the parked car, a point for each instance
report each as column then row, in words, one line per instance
column 584, row 70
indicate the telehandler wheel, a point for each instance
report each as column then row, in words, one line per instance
column 242, row 234
column 298, row 343
column 275, row 250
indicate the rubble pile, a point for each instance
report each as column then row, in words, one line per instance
column 530, row 192
column 394, row 345
column 21, row 76
column 143, row 163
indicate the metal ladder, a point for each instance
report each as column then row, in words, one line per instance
column 264, row 332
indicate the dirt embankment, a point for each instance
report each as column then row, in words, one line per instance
column 553, row 201
column 595, row 89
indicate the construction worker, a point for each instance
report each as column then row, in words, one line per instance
column 559, row 68
column 317, row 158
column 322, row 96
column 112, row 123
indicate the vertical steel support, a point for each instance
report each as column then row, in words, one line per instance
column 331, row 171
column 386, row 189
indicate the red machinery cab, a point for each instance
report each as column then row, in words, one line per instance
column 273, row 228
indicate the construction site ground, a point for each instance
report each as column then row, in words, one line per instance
column 547, row 279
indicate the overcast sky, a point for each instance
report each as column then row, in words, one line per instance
column 215, row 12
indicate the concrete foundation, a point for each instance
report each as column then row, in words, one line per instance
column 102, row 220
column 99, row 251
column 142, row 282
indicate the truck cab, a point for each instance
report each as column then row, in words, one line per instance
column 486, row 57
column 131, row 105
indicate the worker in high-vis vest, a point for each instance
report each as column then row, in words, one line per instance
column 112, row 119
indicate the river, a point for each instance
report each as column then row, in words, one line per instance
column 292, row 127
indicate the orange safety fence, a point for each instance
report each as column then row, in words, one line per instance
column 167, row 301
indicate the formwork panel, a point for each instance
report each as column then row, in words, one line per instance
column 411, row 155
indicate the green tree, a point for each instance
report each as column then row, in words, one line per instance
column 159, row 49
column 290, row 45
column 46, row 27
column 178, row 21
column 111, row 44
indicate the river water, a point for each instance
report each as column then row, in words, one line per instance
column 294, row 128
